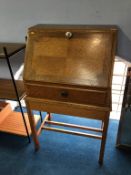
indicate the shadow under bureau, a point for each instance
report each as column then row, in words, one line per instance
column 68, row 70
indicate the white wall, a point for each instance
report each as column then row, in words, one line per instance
column 17, row 15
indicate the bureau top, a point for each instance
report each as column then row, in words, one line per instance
column 70, row 54
column 74, row 27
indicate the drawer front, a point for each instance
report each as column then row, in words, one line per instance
column 73, row 95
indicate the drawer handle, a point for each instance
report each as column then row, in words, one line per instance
column 68, row 35
column 64, row 94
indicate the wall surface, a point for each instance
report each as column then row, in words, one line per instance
column 17, row 15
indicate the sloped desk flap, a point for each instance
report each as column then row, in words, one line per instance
column 72, row 55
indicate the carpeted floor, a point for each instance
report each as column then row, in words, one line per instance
column 62, row 154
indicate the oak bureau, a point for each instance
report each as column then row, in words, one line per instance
column 68, row 70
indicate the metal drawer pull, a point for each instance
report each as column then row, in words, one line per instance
column 64, row 94
column 68, row 35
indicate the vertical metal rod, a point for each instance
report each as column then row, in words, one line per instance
column 41, row 116
column 16, row 91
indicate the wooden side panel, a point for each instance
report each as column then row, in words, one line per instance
column 7, row 89
column 87, row 111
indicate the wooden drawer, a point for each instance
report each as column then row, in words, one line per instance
column 68, row 94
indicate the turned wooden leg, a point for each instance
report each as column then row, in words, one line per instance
column 32, row 125
column 102, row 124
column 49, row 115
column 103, row 141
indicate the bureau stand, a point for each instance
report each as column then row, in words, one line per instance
column 74, row 110
column 68, row 70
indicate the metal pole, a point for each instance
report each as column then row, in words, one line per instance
column 41, row 116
